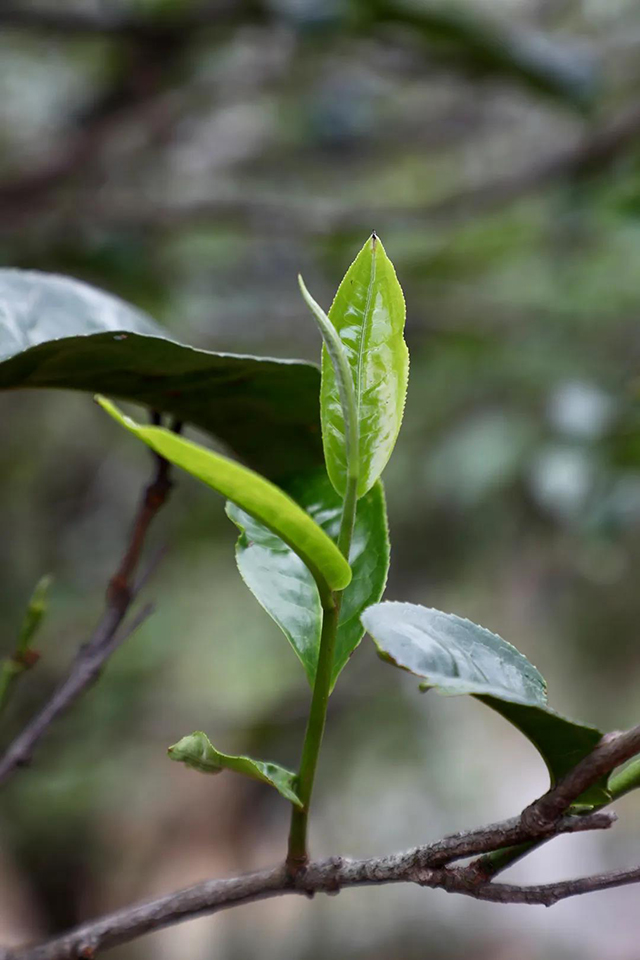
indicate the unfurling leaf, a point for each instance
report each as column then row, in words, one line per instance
column 284, row 587
column 196, row 751
column 344, row 382
column 368, row 313
column 455, row 656
column 260, row 498
column 56, row 332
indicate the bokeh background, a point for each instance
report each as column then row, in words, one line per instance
column 192, row 158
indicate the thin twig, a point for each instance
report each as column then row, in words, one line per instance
column 107, row 636
column 545, row 894
column 421, row 865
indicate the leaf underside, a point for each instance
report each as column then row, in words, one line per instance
column 59, row 333
column 368, row 313
column 259, row 497
column 455, row 656
column 284, row 587
column 196, row 751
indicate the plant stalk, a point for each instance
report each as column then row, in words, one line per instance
column 298, row 854
column 9, row 671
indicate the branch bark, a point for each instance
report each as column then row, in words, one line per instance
column 425, row 866
column 107, row 636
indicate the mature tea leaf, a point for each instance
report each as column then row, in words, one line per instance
column 368, row 313
column 260, row 498
column 59, row 333
column 284, row 587
column 197, row 751
column 455, row 656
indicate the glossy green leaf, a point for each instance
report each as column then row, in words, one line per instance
column 455, row 656
column 197, row 751
column 59, row 333
column 368, row 313
column 260, row 498
column 286, row 590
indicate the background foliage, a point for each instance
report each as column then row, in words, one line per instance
column 194, row 165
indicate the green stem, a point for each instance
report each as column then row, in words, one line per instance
column 624, row 780
column 298, row 854
column 491, row 864
column 8, row 672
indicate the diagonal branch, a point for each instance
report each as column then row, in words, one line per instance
column 107, row 636
column 613, row 749
column 423, row 865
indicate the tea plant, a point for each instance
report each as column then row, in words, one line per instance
column 313, row 548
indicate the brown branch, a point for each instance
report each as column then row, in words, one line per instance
column 107, row 636
column 428, row 866
column 545, row 894
column 613, row 749
column 422, row 865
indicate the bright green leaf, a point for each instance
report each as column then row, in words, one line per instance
column 59, row 333
column 368, row 313
column 284, row 587
column 197, row 751
column 260, row 498
column 455, row 656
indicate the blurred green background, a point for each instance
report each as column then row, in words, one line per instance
column 192, row 158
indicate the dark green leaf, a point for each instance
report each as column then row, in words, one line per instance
column 455, row 656
column 60, row 333
column 368, row 313
column 284, row 587
column 197, row 751
column 259, row 497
